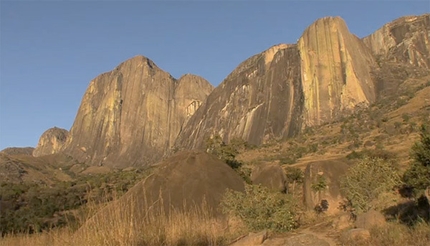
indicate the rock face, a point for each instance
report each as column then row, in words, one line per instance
column 321, row 183
column 335, row 70
column 260, row 99
column 405, row 40
column 138, row 113
column 276, row 93
column 52, row 141
column 132, row 115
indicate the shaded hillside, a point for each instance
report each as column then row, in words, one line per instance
column 18, row 151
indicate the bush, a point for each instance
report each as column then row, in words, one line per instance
column 225, row 152
column 418, row 174
column 366, row 181
column 261, row 209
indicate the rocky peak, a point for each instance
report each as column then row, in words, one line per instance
column 335, row 70
column 131, row 115
column 405, row 40
column 52, row 141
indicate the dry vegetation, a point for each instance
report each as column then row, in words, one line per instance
column 117, row 224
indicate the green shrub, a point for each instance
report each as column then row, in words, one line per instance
column 261, row 209
column 418, row 174
column 225, row 152
column 366, row 181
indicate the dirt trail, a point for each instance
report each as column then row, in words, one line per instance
column 320, row 234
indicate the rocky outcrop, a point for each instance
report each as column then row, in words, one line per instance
column 270, row 175
column 335, row 70
column 259, row 100
column 132, row 115
column 52, row 141
column 188, row 179
column 405, row 40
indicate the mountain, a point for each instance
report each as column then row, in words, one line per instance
column 132, row 115
column 137, row 114
column 277, row 93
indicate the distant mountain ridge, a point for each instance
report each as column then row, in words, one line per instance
column 137, row 113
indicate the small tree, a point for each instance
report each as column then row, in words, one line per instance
column 418, row 174
column 225, row 152
column 294, row 176
column 366, row 181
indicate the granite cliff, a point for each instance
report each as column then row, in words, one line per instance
column 135, row 114
column 132, row 115
column 405, row 40
column 275, row 94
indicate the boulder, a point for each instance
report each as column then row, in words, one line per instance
column 370, row 219
column 321, row 186
column 270, row 175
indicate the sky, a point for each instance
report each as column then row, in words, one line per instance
column 51, row 50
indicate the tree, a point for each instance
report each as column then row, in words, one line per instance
column 225, row 152
column 366, row 181
column 417, row 176
column 294, row 175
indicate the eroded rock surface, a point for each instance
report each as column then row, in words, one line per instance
column 132, row 115
column 51, row 142
column 259, row 100
column 405, row 40
column 335, row 70
column 275, row 94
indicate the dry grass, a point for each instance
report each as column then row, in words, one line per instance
column 122, row 223
column 395, row 234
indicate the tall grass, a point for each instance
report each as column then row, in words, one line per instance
column 394, row 234
column 125, row 222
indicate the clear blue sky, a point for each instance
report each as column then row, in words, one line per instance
column 50, row 50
